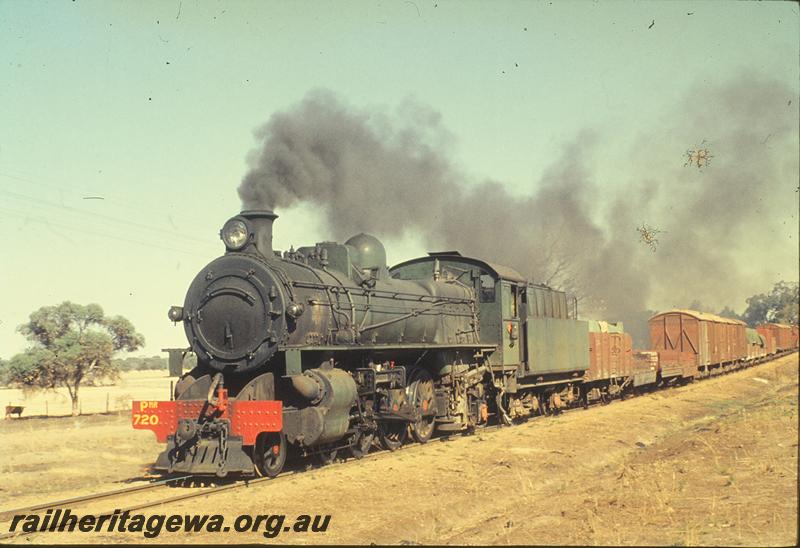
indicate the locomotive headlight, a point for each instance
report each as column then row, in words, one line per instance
column 175, row 313
column 234, row 234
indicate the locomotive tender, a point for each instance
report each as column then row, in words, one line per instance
column 324, row 349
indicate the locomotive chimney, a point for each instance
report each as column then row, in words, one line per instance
column 261, row 223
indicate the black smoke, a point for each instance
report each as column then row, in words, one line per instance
column 386, row 175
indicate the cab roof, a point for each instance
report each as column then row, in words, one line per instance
column 500, row 271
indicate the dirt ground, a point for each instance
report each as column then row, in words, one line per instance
column 712, row 463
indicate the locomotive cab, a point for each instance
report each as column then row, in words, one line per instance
column 542, row 346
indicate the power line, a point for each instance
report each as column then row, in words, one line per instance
column 141, row 226
column 127, row 203
column 101, row 234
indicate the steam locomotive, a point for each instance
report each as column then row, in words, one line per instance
column 325, row 349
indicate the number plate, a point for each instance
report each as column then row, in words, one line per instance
column 158, row 416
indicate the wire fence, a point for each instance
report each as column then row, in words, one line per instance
column 139, row 385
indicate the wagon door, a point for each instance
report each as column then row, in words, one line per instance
column 672, row 365
column 690, row 346
column 725, row 343
column 705, row 357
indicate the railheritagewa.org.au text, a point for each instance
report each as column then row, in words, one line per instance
column 151, row 526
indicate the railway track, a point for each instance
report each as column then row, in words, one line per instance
column 195, row 492
column 84, row 499
column 211, row 488
column 88, row 501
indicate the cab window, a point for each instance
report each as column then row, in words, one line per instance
column 514, row 301
column 487, row 289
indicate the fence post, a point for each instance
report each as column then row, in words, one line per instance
column 46, row 409
column 106, row 402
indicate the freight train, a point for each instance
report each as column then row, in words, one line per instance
column 324, row 349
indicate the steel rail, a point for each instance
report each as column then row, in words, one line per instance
column 5, row 514
column 203, row 492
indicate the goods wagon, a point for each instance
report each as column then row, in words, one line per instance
column 691, row 343
column 610, row 361
column 645, row 368
column 610, row 351
column 785, row 335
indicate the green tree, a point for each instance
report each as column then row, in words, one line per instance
column 728, row 312
column 153, row 363
column 71, row 344
column 781, row 305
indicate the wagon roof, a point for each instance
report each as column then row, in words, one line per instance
column 501, row 271
column 704, row 316
column 602, row 326
column 783, row 325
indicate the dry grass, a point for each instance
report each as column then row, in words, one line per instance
column 50, row 459
column 729, row 481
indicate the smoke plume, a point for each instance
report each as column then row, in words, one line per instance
column 373, row 173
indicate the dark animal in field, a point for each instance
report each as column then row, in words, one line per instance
column 14, row 410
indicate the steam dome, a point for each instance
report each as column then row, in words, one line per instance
column 371, row 254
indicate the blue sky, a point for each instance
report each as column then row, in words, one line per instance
column 152, row 106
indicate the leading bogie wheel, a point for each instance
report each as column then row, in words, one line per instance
column 269, row 453
column 362, row 444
